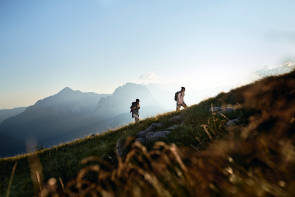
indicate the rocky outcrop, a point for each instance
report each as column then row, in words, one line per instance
column 155, row 131
column 153, row 136
column 152, row 127
column 173, row 127
column 227, row 109
column 152, row 133
column 176, row 118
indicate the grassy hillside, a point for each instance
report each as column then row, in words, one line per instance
column 216, row 157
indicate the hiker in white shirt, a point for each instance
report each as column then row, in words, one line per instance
column 179, row 99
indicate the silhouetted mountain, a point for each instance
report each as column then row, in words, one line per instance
column 7, row 113
column 51, row 118
column 68, row 100
column 73, row 114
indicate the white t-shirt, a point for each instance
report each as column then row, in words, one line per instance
column 180, row 98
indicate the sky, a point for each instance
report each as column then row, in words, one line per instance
column 98, row 45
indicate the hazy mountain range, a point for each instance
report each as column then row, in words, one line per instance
column 7, row 113
column 71, row 114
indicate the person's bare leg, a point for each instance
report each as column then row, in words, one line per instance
column 178, row 108
column 136, row 117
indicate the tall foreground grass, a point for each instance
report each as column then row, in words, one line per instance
column 256, row 167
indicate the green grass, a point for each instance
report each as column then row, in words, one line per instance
column 64, row 161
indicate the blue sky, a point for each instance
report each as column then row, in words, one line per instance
column 97, row 45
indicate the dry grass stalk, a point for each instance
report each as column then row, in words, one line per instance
column 11, row 179
column 205, row 127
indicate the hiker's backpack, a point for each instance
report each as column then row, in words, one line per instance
column 133, row 105
column 176, row 96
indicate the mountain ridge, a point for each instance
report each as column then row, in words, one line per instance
column 71, row 114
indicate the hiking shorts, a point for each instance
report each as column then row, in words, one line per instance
column 180, row 105
column 135, row 115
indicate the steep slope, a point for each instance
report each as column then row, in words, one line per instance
column 224, row 156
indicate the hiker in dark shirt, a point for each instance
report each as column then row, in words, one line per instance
column 134, row 109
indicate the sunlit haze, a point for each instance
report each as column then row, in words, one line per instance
column 98, row 45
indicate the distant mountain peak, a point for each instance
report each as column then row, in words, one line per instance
column 66, row 90
column 130, row 88
column 130, row 84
